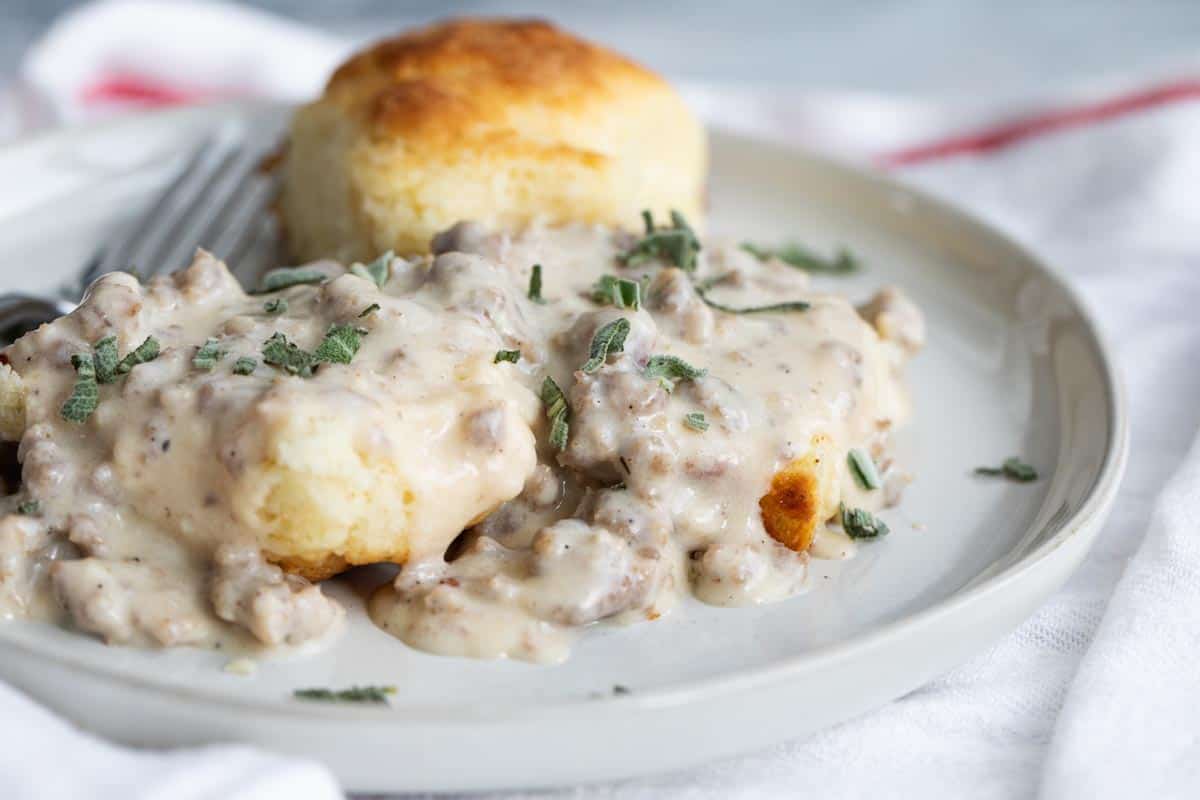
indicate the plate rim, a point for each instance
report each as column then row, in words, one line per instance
column 1099, row 496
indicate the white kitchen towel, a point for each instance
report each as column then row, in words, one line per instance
column 1138, row 684
column 45, row 758
column 1095, row 696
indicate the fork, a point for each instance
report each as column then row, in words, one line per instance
column 215, row 198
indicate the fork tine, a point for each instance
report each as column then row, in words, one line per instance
column 204, row 226
column 245, row 225
column 159, row 243
column 117, row 254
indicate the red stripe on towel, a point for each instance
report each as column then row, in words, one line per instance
column 1006, row 134
column 138, row 90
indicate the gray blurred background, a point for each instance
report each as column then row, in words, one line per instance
column 941, row 47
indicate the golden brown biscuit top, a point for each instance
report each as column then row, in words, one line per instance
column 459, row 75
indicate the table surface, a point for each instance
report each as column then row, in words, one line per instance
column 928, row 47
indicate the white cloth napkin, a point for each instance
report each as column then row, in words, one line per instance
column 43, row 757
column 1097, row 695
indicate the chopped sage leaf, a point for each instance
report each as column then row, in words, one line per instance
column 340, row 344
column 609, row 339
column 535, row 285
column 669, row 369
column 369, row 310
column 101, row 366
column 695, row 421
column 208, row 355
column 283, row 277
column 842, row 263
column 105, row 359
column 355, row 694
column 279, row 351
column 377, row 271
column 602, row 289
column 146, row 351
column 1018, row 470
column 245, row 365
column 794, row 305
column 678, row 222
column 85, row 396
column 677, row 244
column 620, row 292
column 1013, row 468
column 276, row 306
column 864, row 469
column 512, row 356
column 861, row 524
column 30, row 508
column 557, row 413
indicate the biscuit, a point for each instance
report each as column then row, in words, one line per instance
column 508, row 123
column 803, row 495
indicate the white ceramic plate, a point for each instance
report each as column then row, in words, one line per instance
column 1014, row 366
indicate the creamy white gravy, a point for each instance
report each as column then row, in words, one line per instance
column 161, row 516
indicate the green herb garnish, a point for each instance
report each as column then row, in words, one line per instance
column 369, row 310
column 535, row 285
column 283, row 277
column 340, row 344
column 378, row 270
column 105, row 359
column 677, row 244
column 861, row 524
column 146, row 351
column 1013, row 469
column 512, row 356
column 30, row 508
column 695, row 421
column 101, row 366
column 276, row 306
column 245, row 365
column 842, row 263
column 85, row 396
column 279, row 351
column 794, row 305
column 863, row 468
column 620, row 292
column 208, row 355
column 557, row 412
column 669, row 369
column 609, row 339
column 355, row 694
